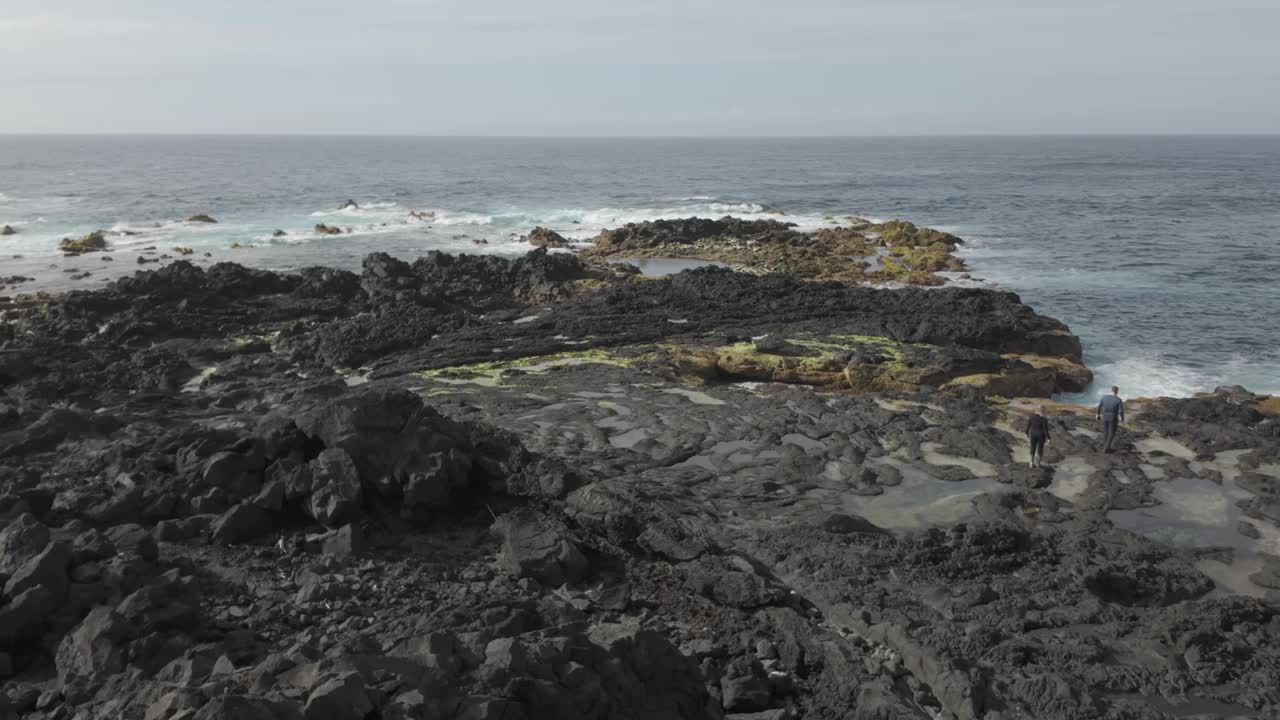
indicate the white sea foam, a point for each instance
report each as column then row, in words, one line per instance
column 1148, row 374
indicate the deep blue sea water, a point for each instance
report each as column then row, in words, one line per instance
column 1162, row 253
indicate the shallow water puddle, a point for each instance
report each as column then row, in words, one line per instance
column 1226, row 463
column 1155, row 443
column 694, row 396
column 934, row 456
column 1197, row 513
column 628, row 439
column 481, row 380
column 802, row 441
column 660, row 267
column 920, row 501
column 1071, row 478
column 1152, row 472
column 193, row 385
column 893, row 405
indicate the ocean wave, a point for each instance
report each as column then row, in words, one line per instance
column 1150, row 374
column 451, row 217
column 379, row 209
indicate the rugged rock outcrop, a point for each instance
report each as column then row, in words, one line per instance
column 472, row 487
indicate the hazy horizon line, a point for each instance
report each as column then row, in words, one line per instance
column 427, row 136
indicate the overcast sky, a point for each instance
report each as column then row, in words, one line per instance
column 640, row 67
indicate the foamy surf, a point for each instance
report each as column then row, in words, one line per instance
column 1148, row 374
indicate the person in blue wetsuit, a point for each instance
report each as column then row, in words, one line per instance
column 1111, row 413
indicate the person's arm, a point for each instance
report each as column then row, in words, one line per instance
column 1027, row 430
column 1097, row 415
column 1121, row 406
column 1044, row 425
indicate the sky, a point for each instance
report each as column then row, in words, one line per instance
column 647, row 67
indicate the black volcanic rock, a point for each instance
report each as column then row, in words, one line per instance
column 472, row 486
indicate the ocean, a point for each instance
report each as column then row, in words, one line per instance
column 1161, row 253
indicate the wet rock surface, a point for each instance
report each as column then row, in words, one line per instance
column 470, row 487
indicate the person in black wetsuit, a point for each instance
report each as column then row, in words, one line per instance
column 1038, row 434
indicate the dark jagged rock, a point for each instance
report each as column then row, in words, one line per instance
column 536, row 548
column 322, row 229
column 352, row 204
column 201, row 219
column 8, row 230
column 545, row 492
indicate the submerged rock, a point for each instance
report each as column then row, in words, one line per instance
column 322, row 229
column 201, row 219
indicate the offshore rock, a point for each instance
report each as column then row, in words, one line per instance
column 545, row 237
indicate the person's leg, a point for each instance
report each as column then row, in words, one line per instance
column 1108, row 433
column 1037, row 451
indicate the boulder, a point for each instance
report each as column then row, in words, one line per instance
column 21, row 540
column 242, row 523
column 278, row 234
column 164, row 605
column 744, row 687
column 47, row 570
column 352, row 204
column 535, row 547
column 346, row 541
column 94, row 647
column 729, row 583
column 234, row 707
column 24, row 617
column 135, row 540
column 335, row 495
column 8, row 230
column 201, row 219
column 341, row 698
column 322, row 229
column 239, row 474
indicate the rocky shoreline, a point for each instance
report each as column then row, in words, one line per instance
column 471, row 487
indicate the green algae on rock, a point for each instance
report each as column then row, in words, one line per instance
column 95, row 241
column 914, row 256
column 495, row 373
